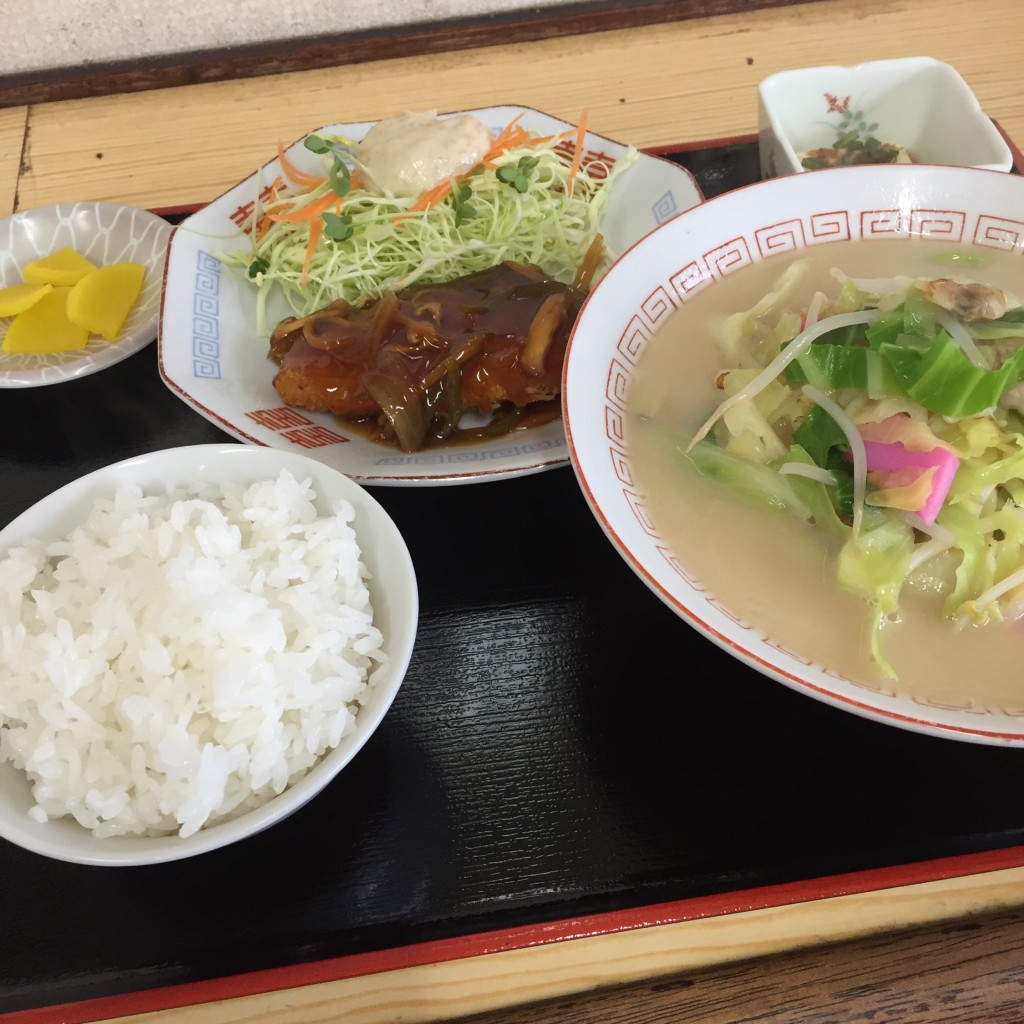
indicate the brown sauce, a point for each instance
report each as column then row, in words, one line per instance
column 406, row 368
column 502, row 421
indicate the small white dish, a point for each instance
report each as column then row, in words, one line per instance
column 212, row 357
column 104, row 233
column 393, row 594
column 917, row 103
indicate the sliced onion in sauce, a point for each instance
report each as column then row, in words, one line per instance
column 550, row 315
column 404, row 403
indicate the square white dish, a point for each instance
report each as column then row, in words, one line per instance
column 918, row 103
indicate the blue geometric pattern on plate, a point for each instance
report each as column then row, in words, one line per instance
column 206, row 317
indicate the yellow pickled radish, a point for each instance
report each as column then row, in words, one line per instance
column 18, row 297
column 65, row 266
column 102, row 300
column 45, row 327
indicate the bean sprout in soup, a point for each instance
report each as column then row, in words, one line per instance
column 772, row 570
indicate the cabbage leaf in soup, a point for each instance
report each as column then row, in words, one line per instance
column 885, row 413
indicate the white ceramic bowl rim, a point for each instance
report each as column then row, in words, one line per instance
column 384, row 552
column 693, row 251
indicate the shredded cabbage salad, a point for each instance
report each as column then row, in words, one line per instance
column 889, row 414
column 321, row 239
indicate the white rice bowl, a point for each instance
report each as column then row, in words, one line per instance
column 193, row 643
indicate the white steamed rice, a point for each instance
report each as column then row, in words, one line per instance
column 182, row 658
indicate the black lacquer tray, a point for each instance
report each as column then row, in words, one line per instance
column 563, row 745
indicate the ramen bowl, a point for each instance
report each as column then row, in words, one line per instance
column 659, row 306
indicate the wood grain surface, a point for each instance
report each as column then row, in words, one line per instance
column 345, row 48
column 678, row 81
column 656, row 85
column 13, row 127
column 965, row 970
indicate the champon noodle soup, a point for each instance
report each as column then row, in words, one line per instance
column 842, row 428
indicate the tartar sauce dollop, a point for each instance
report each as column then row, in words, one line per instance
column 412, row 152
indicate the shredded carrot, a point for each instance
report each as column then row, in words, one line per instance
column 577, row 155
column 433, row 196
column 502, row 140
column 308, row 212
column 510, row 136
column 293, row 172
column 263, row 224
column 520, row 137
column 315, row 228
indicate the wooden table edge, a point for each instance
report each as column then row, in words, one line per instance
column 13, row 134
column 334, row 49
column 459, row 987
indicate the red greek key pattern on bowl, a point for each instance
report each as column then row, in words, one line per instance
column 633, row 338
column 882, row 223
column 618, row 382
column 966, row 704
column 786, row 236
column 881, row 689
column 725, row 611
column 775, row 645
column 729, row 256
column 658, row 305
column 614, row 426
column 999, row 232
column 830, row 226
column 943, row 224
column 622, row 467
column 790, row 235
column 677, row 568
column 688, row 279
column 1009, row 712
column 639, row 511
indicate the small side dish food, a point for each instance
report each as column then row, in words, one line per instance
column 64, row 299
column 181, row 658
column 858, row 432
column 851, row 149
column 390, row 263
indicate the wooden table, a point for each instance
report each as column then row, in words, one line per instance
column 948, row 949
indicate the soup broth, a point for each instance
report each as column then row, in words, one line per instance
column 769, row 569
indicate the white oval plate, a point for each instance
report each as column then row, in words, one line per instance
column 211, row 356
column 393, row 592
column 103, row 233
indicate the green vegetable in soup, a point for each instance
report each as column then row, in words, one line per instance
column 896, row 410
